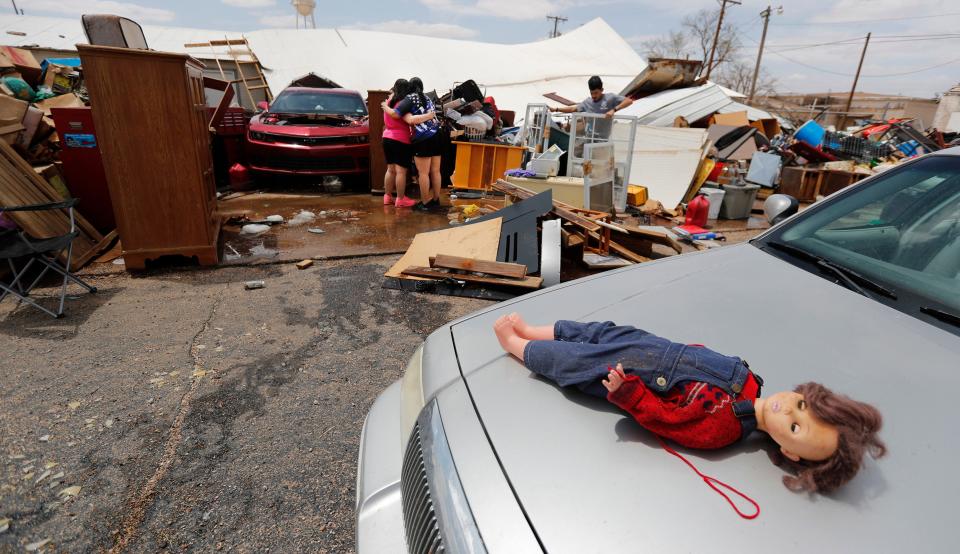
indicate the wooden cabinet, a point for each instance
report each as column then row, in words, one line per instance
column 151, row 119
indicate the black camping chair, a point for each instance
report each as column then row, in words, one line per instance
column 15, row 245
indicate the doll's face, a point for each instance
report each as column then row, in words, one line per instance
column 790, row 422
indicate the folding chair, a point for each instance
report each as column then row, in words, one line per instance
column 15, row 245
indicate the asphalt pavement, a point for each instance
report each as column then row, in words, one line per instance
column 177, row 411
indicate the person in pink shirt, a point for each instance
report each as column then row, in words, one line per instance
column 397, row 148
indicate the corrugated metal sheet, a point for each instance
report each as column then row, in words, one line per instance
column 662, row 108
column 753, row 114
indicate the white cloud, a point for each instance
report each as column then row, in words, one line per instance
column 439, row 30
column 136, row 12
column 508, row 9
column 279, row 21
column 250, row 3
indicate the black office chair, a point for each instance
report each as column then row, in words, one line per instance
column 18, row 245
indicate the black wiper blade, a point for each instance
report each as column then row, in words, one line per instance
column 865, row 281
column 849, row 277
column 942, row 315
column 798, row 252
column 851, row 284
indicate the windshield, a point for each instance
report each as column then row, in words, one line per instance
column 900, row 231
column 310, row 102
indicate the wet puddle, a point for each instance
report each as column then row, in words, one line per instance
column 343, row 225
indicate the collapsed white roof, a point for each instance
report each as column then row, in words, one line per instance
column 692, row 103
column 514, row 74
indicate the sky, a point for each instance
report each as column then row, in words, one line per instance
column 811, row 45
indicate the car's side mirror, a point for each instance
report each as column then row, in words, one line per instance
column 263, row 106
column 778, row 207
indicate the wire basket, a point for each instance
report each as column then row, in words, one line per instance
column 861, row 149
column 473, row 133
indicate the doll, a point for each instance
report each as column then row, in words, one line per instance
column 699, row 398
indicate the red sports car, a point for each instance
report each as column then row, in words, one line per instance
column 311, row 131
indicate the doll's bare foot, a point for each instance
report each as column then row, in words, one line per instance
column 508, row 337
column 530, row 332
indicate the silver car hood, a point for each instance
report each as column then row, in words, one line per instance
column 591, row 480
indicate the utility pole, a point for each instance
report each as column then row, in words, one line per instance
column 557, row 20
column 846, row 111
column 765, row 14
column 716, row 36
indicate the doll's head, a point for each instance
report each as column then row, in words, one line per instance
column 823, row 436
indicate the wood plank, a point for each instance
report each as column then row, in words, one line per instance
column 564, row 211
column 570, row 239
column 623, row 251
column 429, row 272
column 664, row 238
column 502, row 269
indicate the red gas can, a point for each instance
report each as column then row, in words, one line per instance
column 697, row 211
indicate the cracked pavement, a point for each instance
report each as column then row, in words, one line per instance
column 195, row 415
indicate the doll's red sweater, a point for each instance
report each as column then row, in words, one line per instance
column 692, row 414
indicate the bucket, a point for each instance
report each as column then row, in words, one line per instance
column 738, row 201
column 811, row 133
column 715, row 197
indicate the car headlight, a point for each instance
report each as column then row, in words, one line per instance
column 411, row 392
column 362, row 139
column 255, row 135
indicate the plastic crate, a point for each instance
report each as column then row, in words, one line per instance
column 234, row 122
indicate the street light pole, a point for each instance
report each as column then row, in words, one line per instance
column 716, row 36
column 765, row 14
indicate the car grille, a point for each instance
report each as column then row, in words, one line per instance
column 419, row 517
column 332, row 163
column 310, row 141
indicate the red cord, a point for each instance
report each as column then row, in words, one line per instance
column 710, row 482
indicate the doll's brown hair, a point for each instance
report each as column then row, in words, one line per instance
column 857, row 424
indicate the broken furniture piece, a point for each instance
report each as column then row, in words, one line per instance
column 154, row 124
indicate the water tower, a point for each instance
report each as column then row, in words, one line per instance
column 305, row 13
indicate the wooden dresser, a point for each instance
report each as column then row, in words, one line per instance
column 152, row 124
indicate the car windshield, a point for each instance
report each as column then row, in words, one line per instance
column 898, row 235
column 310, row 102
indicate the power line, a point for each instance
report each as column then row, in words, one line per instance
column 878, row 39
column 848, row 22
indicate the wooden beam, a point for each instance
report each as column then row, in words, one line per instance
column 623, row 251
column 502, row 269
column 561, row 210
column 431, row 273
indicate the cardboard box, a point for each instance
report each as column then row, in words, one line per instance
column 60, row 78
column 24, row 61
column 31, row 122
column 769, row 127
column 12, row 110
column 736, row 119
column 68, row 100
column 636, row 195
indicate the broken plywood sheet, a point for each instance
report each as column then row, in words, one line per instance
column 479, row 241
column 666, row 160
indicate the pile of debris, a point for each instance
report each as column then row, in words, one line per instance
column 29, row 154
column 29, row 90
column 534, row 241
